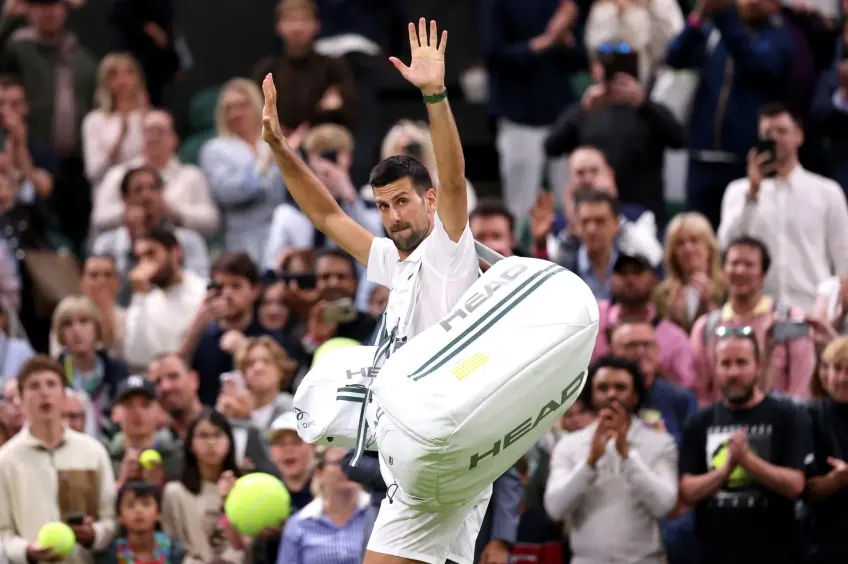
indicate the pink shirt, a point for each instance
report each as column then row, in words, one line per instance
column 675, row 353
column 789, row 375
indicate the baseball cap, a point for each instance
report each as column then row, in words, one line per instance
column 625, row 260
column 285, row 422
column 136, row 385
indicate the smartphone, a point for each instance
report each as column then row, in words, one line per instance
column 617, row 57
column 769, row 147
column 235, row 377
column 75, row 519
column 340, row 311
column 305, row 281
column 788, row 330
column 332, row 156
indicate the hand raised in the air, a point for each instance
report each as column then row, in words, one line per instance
column 427, row 69
column 272, row 133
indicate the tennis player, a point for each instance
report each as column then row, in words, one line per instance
column 428, row 262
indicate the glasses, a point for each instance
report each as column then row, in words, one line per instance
column 725, row 332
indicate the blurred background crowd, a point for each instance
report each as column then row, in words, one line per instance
column 160, row 290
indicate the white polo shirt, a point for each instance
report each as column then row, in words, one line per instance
column 445, row 270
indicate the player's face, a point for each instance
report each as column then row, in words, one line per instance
column 406, row 214
column 736, row 369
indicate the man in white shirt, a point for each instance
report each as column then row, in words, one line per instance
column 429, row 258
column 165, row 298
column 802, row 216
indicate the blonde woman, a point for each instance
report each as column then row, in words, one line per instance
column 413, row 139
column 112, row 132
column 241, row 170
column 694, row 283
column 338, row 501
column 78, row 327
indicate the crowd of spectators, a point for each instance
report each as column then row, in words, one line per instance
column 154, row 300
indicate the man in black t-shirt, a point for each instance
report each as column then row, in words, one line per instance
column 827, row 488
column 742, row 463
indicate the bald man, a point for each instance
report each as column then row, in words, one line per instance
column 188, row 199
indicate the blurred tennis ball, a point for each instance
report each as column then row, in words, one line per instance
column 57, row 536
column 257, row 501
column 150, row 459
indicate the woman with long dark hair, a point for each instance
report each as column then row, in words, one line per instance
column 192, row 508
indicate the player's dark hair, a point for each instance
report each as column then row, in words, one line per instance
column 394, row 168
column 619, row 363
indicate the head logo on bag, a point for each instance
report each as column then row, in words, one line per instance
column 479, row 298
column 530, row 423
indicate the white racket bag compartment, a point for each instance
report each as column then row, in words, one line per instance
column 328, row 402
column 459, row 404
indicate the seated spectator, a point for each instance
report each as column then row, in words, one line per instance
column 632, row 131
column 76, row 411
column 646, row 27
column 790, row 362
column 412, row 139
column 138, row 405
column 802, row 215
column 241, row 170
column 49, row 473
column 11, row 413
column 742, row 464
column 88, row 367
column 35, row 162
column 16, row 351
column 139, row 509
column 272, row 311
column 99, row 282
column 226, row 318
column 633, row 284
column 493, row 225
column 176, row 386
column 832, row 303
column 192, row 508
column 306, row 538
column 329, row 153
column 111, row 133
column 314, row 88
column 293, row 459
column 693, row 284
column 725, row 104
column 336, row 284
column 142, row 193
column 187, row 198
column 616, row 478
column 827, row 487
column 165, row 298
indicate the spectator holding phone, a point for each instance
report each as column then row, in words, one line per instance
column 781, row 331
column 803, row 216
column 224, row 321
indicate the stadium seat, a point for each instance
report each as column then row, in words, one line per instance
column 201, row 109
column 189, row 151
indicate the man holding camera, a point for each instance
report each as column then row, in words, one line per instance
column 803, row 216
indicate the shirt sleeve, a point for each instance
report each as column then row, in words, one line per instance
column 693, row 460
column 451, row 260
column 381, row 260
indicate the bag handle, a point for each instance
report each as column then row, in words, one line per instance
column 486, row 254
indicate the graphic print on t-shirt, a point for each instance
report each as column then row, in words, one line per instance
column 740, row 490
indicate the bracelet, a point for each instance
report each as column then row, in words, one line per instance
column 436, row 98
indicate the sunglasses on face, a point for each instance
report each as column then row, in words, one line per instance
column 725, row 332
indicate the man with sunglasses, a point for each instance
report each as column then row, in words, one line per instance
column 788, row 350
column 743, row 460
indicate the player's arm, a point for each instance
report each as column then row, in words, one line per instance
column 313, row 197
column 427, row 73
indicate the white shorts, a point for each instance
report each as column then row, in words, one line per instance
column 433, row 538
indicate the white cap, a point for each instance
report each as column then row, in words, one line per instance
column 285, row 422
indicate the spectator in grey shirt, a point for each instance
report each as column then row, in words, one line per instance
column 613, row 481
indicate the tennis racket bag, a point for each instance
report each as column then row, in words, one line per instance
column 456, row 406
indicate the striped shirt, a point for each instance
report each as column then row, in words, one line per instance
column 311, row 538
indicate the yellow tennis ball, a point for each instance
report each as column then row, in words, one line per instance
column 57, row 536
column 257, row 501
column 150, row 459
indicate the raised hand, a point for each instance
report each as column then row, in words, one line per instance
column 272, row 133
column 427, row 69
